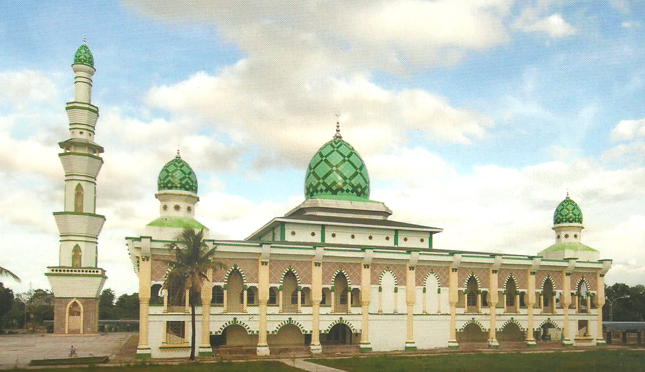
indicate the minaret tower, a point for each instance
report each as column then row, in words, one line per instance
column 77, row 281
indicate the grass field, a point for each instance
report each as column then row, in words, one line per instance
column 265, row 366
column 577, row 361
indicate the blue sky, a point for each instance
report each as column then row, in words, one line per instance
column 471, row 116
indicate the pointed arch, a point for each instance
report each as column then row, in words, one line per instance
column 77, row 256
column 431, row 274
column 513, row 278
column 387, row 269
column 74, row 314
column 579, row 283
column 290, row 321
column 79, row 194
column 341, row 321
column 293, row 271
column 548, row 321
column 513, row 321
column 234, row 321
column 472, row 321
column 340, row 271
column 472, row 275
column 549, row 278
column 231, row 270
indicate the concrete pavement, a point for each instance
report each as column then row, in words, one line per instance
column 308, row 366
column 19, row 350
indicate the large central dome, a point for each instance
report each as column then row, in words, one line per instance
column 567, row 211
column 336, row 171
column 177, row 175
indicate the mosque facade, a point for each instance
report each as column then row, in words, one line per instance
column 336, row 270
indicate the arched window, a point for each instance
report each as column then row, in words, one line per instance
column 78, row 198
column 217, row 295
column 77, row 256
column 583, row 293
column 250, row 296
column 294, row 297
column 290, row 288
column 340, row 288
column 235, row 284
column 511, row 292
column 471, row 297
column 323, row 301
column 155, row 297
column 273, row 297
column 343, row 297
column 547, row 297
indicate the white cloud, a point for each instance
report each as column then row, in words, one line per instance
column 20, row 88
column 630, row 24
column 627, row 130
column 553, row 25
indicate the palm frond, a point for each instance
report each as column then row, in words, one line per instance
column 5, row 272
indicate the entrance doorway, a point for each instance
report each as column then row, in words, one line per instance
column 339, row 334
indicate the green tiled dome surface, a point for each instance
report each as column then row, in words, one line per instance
column 567, row 212
column 83, row 56
column 177, row 175
column 337, row 170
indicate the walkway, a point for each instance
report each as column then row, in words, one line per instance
column 307, row 366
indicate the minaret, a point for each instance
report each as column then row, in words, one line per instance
column 77, row 281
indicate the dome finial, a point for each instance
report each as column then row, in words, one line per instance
column 337, row 135
column 84, row 40
column 567, row 193
column 178, row 154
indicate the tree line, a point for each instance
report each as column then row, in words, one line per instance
column 30, row 310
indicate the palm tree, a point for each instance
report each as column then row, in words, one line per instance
column 189, row 269
column 5, row 272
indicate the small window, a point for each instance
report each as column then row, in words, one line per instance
column 218, row 295
column 177, row 207
column 273, row 298
column 353, row 236
column 164, row 207
column 175, row 332
column 333, row 235
column 293, row 232
column 313, row 233
column 387, row 238
column 189, row 209
column 294, row 297
column 405, row 239
column 324, row 298
column 566, row 236
column 250, row 296
column 370, row 237
column 421, row 240
column 343, row 298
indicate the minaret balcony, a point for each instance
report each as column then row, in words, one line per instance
column 69, row 282
column 76, row 223
column 81, row 164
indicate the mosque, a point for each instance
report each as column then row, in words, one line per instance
column 334, row 270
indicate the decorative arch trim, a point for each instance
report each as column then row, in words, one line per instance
column 548, row 277
column 295, row 273
column 341, row 321
column 230, row 271
column 387, row 269
column 290, row 321
column 514, row 279
column 234, row 321
column 434, row 275
column 581, row 280
column 548, row 321
column 341, row 271
column 473, row 321
column 514, row 321
column 472, row 275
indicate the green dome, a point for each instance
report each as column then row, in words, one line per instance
column 177, row 175
column 83, row 56
column 567, row 212
column 337, row 171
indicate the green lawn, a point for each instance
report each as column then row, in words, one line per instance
column 583, row 361
column 188, row 367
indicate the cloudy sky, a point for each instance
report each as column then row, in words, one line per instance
column 473, row 116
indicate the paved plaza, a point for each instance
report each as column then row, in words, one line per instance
column 19, row 350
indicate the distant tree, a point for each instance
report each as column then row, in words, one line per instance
column 6, row 303
column 40, row 306
column 127, row 306
column 106, row 304
column 628, row 302
column 16, row 317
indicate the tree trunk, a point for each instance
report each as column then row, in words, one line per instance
column 192, row 321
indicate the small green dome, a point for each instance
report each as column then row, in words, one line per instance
column 83, row 56
column 567, row 212
column 337, row 171
column 177, row 175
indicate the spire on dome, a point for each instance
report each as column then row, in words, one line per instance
column 337, row 135
column 178, row 155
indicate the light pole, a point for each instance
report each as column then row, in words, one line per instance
column 611, row 306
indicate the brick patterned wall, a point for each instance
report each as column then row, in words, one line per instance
column 480, row 272
column 520, row 278
column 556, row 276
column 353, row 270
column 90, row 314
column 248, row 268
column 158, row 268
column 398, row 271
column 277, row 269
column 440, row 272
column 589, row 277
